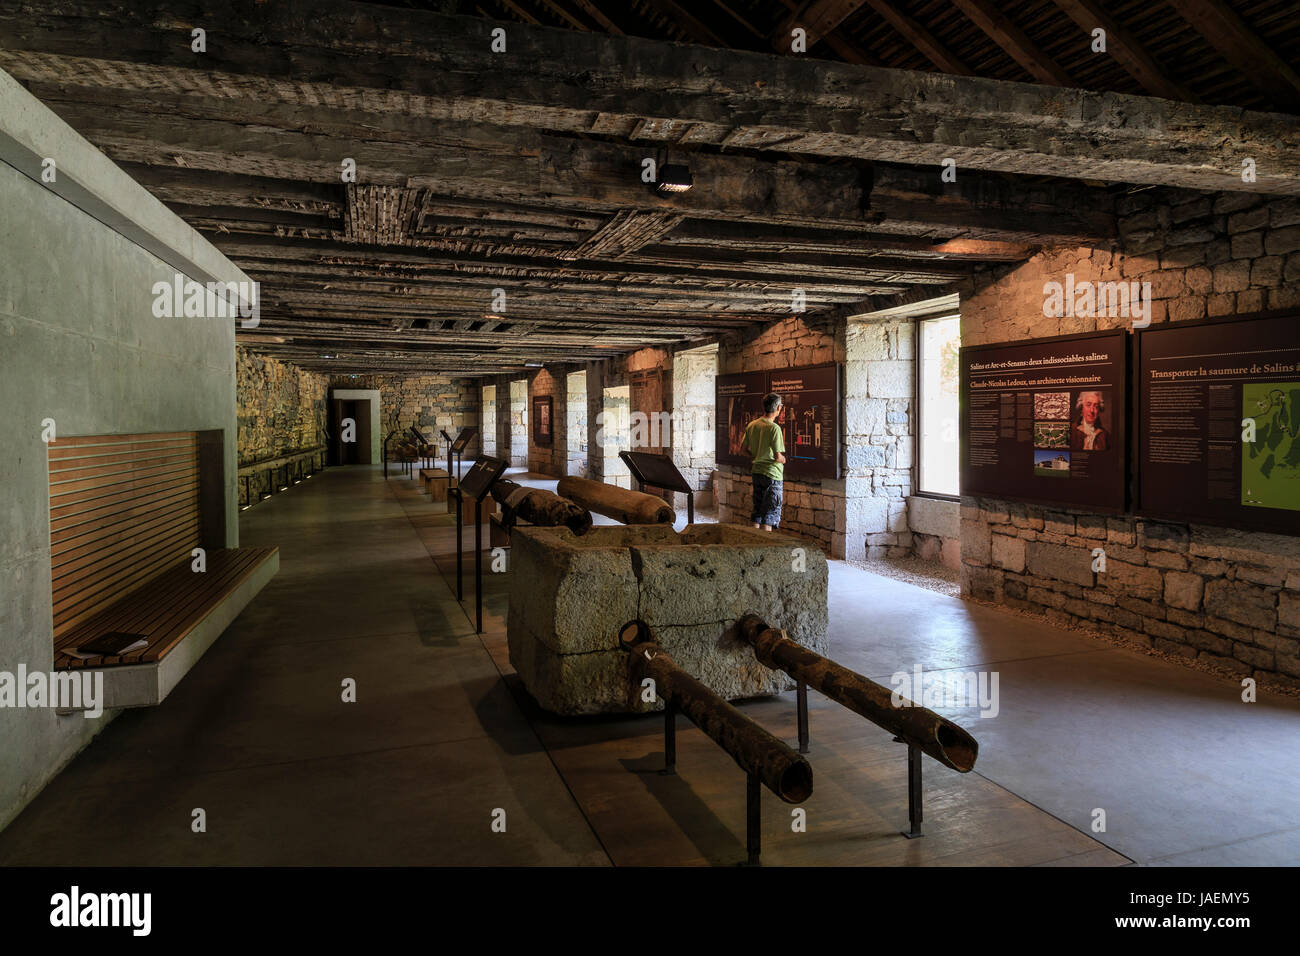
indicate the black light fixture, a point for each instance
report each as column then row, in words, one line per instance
column 674, row 178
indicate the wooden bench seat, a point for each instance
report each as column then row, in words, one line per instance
column 436, row 481
column 127, row 513
column 180, row 612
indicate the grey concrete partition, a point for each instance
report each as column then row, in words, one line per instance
column 569, row 595
column 80, row 344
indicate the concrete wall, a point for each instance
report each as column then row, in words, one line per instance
column 1229, row 598
column 79, row 344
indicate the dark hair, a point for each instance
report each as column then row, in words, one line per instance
column 771, row 402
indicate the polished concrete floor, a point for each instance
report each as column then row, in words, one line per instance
column 442, row 736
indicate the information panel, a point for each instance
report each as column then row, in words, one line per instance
column 1044, row 420
column 810, row 399
column 1219, row 422
column 809, row 417
column 739, row 402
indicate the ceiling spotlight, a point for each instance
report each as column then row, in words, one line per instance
column 674, row 178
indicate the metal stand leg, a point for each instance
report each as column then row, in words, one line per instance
column 913, row 792
column 478, row 567
column 801, row 695
column 460, row 588
column 690, row 507
column 670, row 739
column 753, row 818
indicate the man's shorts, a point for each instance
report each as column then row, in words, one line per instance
column 767, row 501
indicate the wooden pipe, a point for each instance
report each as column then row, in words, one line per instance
column 629, row 507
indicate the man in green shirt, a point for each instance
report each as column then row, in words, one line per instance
column 764, row 443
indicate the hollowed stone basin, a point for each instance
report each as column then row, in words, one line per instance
column 569, row 595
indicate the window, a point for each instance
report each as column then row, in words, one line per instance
column 938, row 344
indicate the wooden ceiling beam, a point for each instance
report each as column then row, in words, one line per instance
column 1227, row 32
column 1014, row 42
column 1089, row 15
column 925, row 42
column 417, row 63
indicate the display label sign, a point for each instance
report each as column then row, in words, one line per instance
column 463, row 439
column 809, row 418
column 739, row 402
column 482, row 475
column 1044, row 420
column 1219, row 422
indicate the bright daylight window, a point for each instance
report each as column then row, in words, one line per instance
column 938, row 342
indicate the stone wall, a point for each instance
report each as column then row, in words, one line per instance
column 488, row 419
column 280, row 407
column 549, row 459
column 429, row 402
column 879, row 383
column 1228, row 598
column 935, row 524
column 694, row 438
column 575, row 424
column 515, row 425
column 813, row 509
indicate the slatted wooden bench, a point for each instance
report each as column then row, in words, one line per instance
column 126, row 513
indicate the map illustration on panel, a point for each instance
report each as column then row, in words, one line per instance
column 1270, row 465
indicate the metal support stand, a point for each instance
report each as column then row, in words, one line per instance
column 801, row 696
column 670, row 739
column 913, row 793
column 690, row 507
column 460, row 592
column 478, row 566
column 753, row 818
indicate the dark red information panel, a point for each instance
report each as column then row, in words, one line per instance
column 1218, row 422
column 810, row 418
column 1044, row 420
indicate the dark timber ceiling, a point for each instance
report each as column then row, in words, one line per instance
column 519, row 172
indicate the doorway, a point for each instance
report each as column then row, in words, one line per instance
column 354, row 437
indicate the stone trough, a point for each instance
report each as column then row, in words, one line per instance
column 569, row 595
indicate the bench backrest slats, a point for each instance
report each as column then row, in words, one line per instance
column 123, row 509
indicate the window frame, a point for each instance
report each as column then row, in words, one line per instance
column 920, row 423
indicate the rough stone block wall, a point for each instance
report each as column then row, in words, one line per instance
column 1220, row 595
column 516, row 424
column 429, row 402
column 935, row 524
column 879, row 382
column 281, row 407
column 575, row 424
column 488, row 418
column 549, row 459
column 813, row 509
column 694, row 440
